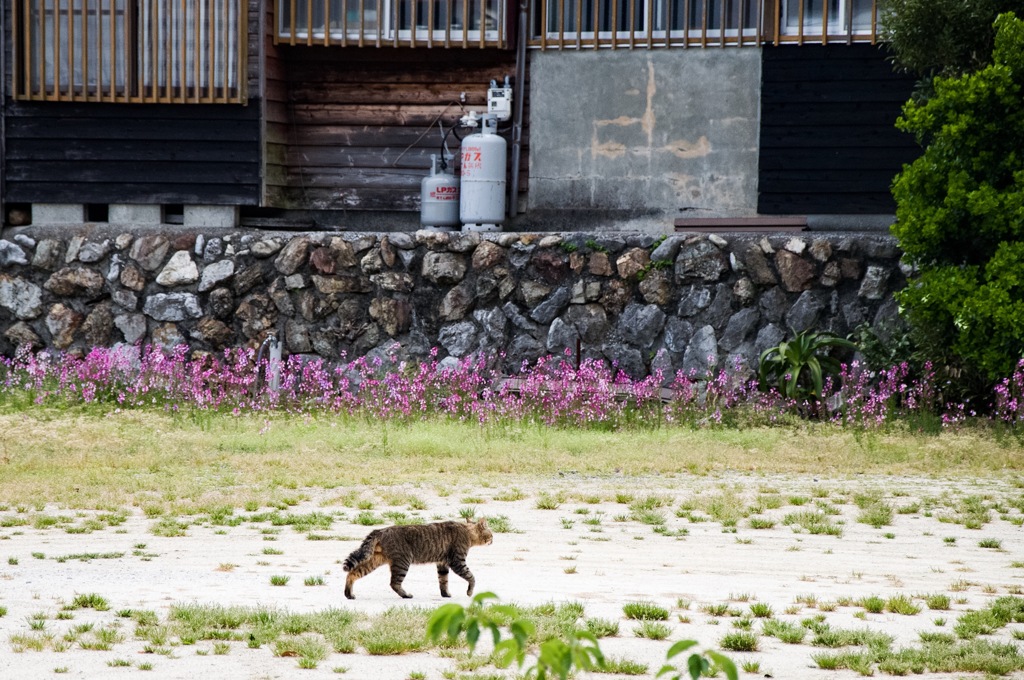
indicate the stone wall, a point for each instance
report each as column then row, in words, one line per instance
column 624, row 296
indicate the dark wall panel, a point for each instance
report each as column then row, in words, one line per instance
column 132, row 153
column 828, row 137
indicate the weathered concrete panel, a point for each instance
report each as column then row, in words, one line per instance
column 672, row 131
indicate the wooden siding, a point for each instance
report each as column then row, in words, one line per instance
column 362, row 123
column 59, row 152
column 828, row 141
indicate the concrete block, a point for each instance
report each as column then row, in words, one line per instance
column 58, row 213
column 223, row 216
column 135, row 214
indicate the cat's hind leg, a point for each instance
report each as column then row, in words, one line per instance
column 360, row 570
column 458, row 565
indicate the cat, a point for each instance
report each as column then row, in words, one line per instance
column 443, row 543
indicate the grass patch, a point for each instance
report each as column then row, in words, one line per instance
column 645, row 611
column 739, row 641
column 652, row 630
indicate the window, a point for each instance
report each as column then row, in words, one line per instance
column 633, row 21
column 391, row 22
column 839, row 18
column 130, row 50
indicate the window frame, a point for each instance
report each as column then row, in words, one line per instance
column 193, row 62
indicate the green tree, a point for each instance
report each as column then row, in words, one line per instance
column 960, row 211
column 942, row 37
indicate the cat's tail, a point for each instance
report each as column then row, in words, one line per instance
column 363, row 552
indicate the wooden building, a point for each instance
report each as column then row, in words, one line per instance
column 333, row 107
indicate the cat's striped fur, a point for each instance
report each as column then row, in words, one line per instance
column 443, row 543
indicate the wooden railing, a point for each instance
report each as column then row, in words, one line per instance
column 593, row 24
column 398, row 23
column 139, row 51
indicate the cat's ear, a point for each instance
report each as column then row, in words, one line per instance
column 482, row 523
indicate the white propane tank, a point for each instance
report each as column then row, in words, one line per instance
column 439, row 198
column 482, row 205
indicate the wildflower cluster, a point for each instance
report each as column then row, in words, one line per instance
column 555, row 391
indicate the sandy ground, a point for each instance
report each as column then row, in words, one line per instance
column 604, row 566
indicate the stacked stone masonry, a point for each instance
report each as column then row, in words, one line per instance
column 642, row 302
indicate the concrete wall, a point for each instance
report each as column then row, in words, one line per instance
column 628, row 298
column 645, row 130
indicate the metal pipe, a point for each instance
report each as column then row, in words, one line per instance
column 517, row 116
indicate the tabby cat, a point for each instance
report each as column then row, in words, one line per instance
column 443, row 543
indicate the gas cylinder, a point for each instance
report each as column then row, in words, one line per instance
column 482, row 205
column 439, row 197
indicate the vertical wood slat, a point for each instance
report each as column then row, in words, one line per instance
column 327, row 23
column 226, row 63
column 113, row 51
column 704, row 23
column 614, row 20
column 291, row 31
column 196, row 55
column 56, row 49
column 631, row 21
column 85, row 49
column 71, row 49
column 687, row 8
column 465, row 23
column 15, row 56
column 723, row 19
column 309, row 22
column 650, row 24
column 824, row 21
column 483, row 22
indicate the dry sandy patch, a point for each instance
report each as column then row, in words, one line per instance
column 584, row 550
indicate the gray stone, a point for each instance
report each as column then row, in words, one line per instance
column 561, row 336
column 401, row 240
column 363, row 242
column 68, row 281
column 283, row 302
column 821, row 250
column 125, row 298
column 720, row 310
column 701, row 352
column 459, row 339
column 295, row 282
column 443, row 268
column 433, row 240
column 293, row 255
column 150, row 251
column 215, row 274
column 265, row 248
column 640, row 325
column 599, row 264
column 213, row 332
column 74, row 245
column 854, row 313
column 463, row 242
column 179, row 270
column 831, row 275
column 873, row 286
column 297, row 338
column 48, row 254
column 21, row 297
column 214, row 248
column 258, row 314
column 667, row 249
column 697, row 299
column 493, row 325
column 520, row 254
column 578, row 296
column 677, row 334
column 394, row 315
column 172, row 307
column 627, row 359
column 372, row 263
column 25, row 241
column 881, row 248
column 796, row 245
column 768, row 337
column 806, row 311
column 488, row 254
column 524, row 350
column 123, row 240
column 591, row 321
column 91, row 251
column 518, row 320
column 774, row 304
column 550, row 265
column 11, row 253
column 546, row 311
column 116, row 265
column 740, row 327
column 247, row 279
column 701, row 259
